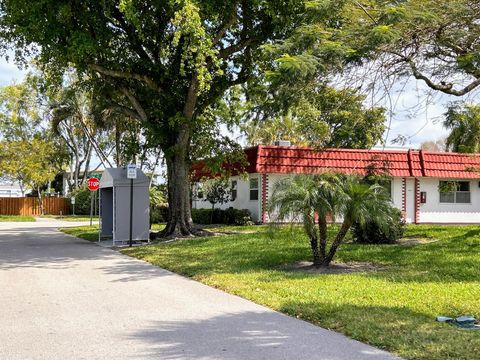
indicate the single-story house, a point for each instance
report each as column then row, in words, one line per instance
column 11, row 189
column 418, row 179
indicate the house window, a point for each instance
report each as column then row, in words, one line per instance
column 455, row 192
column 253, row 188
column 234, row 190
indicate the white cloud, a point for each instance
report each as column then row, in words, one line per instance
column 9, row 72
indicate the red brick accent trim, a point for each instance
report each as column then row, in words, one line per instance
column 404, row 198
column 417, row 201
column 264, row 198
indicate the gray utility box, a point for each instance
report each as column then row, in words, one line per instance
column 115, row 206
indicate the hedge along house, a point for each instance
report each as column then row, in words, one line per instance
column 428, row 187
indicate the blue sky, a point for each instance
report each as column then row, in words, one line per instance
column 418, row 126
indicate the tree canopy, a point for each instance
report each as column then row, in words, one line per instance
column 322, row 117
column 435, row 41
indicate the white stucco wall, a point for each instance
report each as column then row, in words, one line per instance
column 243, row 198
column 272, row 179
column 397, row 192
column 433, row 211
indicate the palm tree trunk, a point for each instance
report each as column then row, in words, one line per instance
column 317, row 261
column 337, row 242
column 322, row 228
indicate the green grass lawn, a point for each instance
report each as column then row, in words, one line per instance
column 90, row 233
column 393, row 309
column 16, row 218
column 71, row 217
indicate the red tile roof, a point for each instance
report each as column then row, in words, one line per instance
column 397, row 163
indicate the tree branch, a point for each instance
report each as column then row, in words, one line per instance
column 136, row 104
column 362, row 7
column 125, row 111
column 126, row 75
column 243, row 43
column 223, row 29
column 446, row 88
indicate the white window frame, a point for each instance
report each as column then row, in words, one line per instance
column 455, row 193
column 250, row 188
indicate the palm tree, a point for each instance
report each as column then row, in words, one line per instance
column 305, row 197
column 464, row 124
column 359, row 202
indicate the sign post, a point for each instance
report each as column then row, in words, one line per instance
column 92, row 184
column 131, row 174
column 72, row 200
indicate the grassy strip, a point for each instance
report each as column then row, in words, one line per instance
column 71, row 217
column 90, row 233
column 16, row 218
column 393, row 309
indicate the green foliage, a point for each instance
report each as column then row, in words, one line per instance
column 158, row 204
column 217, row 191
column 89, row 233
column 158, row 196
column 33, row 162
column 16, row 218
column 20, row 116
column 228, row 216
column 388, row 232
column 463, row 121
column 321, row 117
column 433, row 40
column 83, row 200
column 158, row 214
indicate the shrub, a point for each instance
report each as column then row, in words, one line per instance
column 82, row 200
column 372, row 233
column 229, row 216
column 158, row 204
column 158, row 214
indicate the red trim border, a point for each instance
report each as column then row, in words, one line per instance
column 264, row 198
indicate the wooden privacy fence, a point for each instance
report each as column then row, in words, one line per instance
column 28, row 206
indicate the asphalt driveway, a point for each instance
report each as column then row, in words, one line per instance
column 66, row 298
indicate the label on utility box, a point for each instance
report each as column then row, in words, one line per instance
column 131, row 171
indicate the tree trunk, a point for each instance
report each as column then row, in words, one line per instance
column 337, row 242
column 317, row 260
column 322, row 228
column 179, row 222
column 40, row 201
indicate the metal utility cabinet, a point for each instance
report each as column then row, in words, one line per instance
column 115, row 206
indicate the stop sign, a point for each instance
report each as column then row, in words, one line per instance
column 93, row 183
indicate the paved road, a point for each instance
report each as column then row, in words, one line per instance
column 65, row 298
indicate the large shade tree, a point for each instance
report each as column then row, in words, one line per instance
column 170, row 60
